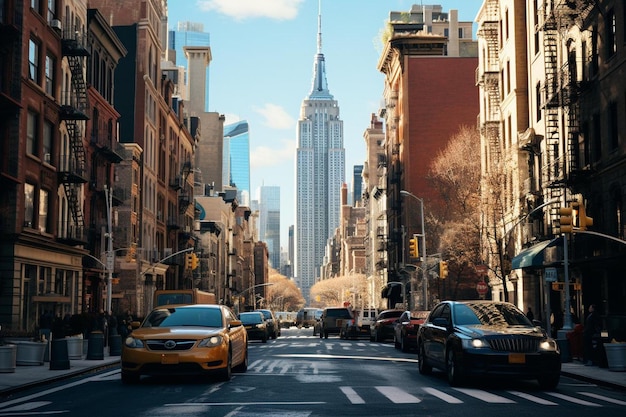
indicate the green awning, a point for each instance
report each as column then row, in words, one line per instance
column 533, row 256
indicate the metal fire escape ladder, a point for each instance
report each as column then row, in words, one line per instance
column 74, row 112
column 552, row 173
column 491, row 80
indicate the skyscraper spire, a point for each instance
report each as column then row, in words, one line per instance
column 319, row 89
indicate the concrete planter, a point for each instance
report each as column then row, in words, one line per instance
column 616, row 356
column 74, row 347
column 30, row 353
column 8, row 358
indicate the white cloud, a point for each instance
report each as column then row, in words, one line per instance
column 275, row 116
column 244, row 9
column 264, row 156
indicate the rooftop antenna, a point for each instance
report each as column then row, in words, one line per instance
column 319, row 28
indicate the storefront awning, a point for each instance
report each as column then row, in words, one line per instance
column 533, row 256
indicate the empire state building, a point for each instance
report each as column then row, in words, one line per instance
column 320, row 173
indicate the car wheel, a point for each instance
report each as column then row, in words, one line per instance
column 396, row 343
column 371, row 337
column 243, row 366
column 130, row 378
column 422, row 362
column 226, row 373
column 549, row 381
column 264, row 339
column 453, row 369
column 404, row 346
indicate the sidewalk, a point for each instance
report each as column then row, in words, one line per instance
column 30, row 376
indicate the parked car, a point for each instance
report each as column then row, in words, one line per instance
column 405, row 329
column 486, row 338
column 273, row 325
column 254, row 322
column 360, row 325
column 306, row 317
column 333, row 319
column 382, row 329
column 186, row 339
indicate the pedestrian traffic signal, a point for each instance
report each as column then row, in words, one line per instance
column 413, row 248
column 443, row 269
column 188, row 260
column 194, row 261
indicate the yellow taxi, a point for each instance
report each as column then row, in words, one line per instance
column 186, row 340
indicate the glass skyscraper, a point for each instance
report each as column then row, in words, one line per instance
column 269, row 222
column 237, row 141
column 320, row 173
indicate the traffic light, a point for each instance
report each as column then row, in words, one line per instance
column 566, row 220
column 188, row 260
column 194, row 261
column 443, row 269
column 414, row 251
column 583, row 220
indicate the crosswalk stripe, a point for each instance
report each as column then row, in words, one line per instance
column 397, row 395
column 352, row 395
column 442, row 395
column 603, row 398
column 532, row 398
column 485, row 396
column 573, row 399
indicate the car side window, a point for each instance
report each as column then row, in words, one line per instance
column 446, row 313
column 435, row 313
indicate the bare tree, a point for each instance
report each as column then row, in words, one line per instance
column 338, row 290
column 283, row 295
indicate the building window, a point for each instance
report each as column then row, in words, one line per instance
column 613, row 126
column 48, row 132
column 538, row 100
column 33, row 61
column 49, row 87
column 506, row 24
column 43, row 211
column 596, row 144
column 611, row 34
column 31, row 133
column 29, row 205
column 52, row 9
column 35, row 5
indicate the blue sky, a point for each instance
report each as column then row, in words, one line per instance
column 262, row 68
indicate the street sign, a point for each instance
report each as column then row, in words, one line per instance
column 482, row 269
column 550, row 275
column 482, row 288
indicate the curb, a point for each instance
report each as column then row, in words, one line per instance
column 9, row 391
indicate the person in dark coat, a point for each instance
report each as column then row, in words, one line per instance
column 593, row 327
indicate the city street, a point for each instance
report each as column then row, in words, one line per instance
column 299, row 374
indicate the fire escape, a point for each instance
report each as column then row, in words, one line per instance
column 490, row 80
column 561, row 91
column 72, row 169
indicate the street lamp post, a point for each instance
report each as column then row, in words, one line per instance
column 253, row 287
column 423, row 238
column 110, row 264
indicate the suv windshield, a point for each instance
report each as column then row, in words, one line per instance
column 489, row 314
column 342, row 313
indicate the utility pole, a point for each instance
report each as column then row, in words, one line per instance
column 110, row 254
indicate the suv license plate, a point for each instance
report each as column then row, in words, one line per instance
column 169, row 359
column 517, row 358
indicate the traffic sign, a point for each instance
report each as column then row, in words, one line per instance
column 482, row 287
column 550, row 275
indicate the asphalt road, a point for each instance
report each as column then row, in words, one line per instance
column 301, row 375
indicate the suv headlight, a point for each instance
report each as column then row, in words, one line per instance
column 211, row 341
column 475, row 343
column 549, row 345
column 131, row 342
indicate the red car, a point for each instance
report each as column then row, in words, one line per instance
column 405, row 329
column 382, row 328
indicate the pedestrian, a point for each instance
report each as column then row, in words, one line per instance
column 530, row 314
column 593, row 326
column 45, row 325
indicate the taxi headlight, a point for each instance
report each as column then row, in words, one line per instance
column 548, row 345
column 131, row 342
column 211, row 341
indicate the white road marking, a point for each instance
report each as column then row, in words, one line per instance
column 398, row 396
column 442, row 395
column 532, row 398
column 352, row 395
column 485, row 396
column 603, row 398
column 573, row 399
